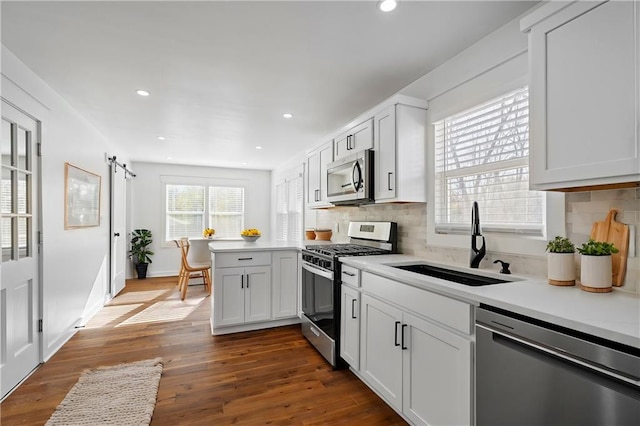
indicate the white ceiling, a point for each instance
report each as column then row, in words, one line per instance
column 221, row 74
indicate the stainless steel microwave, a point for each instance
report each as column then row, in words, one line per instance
column 350, row 179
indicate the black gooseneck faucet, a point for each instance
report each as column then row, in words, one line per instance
column 478, row 249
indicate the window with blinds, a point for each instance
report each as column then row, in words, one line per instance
column 191, row 208
column 289, row 210
column 481, row 155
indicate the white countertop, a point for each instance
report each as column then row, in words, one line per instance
column 260, row 244
column 614, row 316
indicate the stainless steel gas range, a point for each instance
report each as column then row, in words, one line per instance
column 321, row 282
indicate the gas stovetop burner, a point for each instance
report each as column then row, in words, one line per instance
column 346, row 250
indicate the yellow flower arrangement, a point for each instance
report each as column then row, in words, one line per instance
column 250, row 232
column 208, row 232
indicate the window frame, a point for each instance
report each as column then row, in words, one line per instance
column 286, row 186
column 465, row 96
column 206, row 183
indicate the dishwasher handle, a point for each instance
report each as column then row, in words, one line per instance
column 558, row 354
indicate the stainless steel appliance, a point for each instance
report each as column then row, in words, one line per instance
column 350, row 179
column 529, row 372
column 321, row 282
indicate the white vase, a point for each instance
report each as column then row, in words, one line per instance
column 561, row 269
column 596, row 273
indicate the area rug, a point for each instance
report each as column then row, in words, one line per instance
column 123, row 394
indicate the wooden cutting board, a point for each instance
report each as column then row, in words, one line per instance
column 617, row 233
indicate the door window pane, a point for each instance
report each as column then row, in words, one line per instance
column 7, row 249
column 24, row 183
column 6, row 143
column 24, row 242
column 6, row 189
column 24, row 139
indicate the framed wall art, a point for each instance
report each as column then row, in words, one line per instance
column 81, row 198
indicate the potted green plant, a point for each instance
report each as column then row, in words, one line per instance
column 595, row 266
column 140, row 253
column 561, row 269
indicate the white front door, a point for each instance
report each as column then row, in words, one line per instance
column 118, row 232
column 20, row 340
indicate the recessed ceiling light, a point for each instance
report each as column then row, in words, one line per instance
column 387, row 5
column 258, row 147
column 244, row 164
column 161, row 138
column 169, row 158
column 287, row 115
column 142, row 92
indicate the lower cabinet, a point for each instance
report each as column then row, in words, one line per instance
column 422, row 369
column 285, row 284
column 242, row 295
column 350, row 326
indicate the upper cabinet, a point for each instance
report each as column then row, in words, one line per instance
column 355, row 139
column 399, row 144
column 317, row 162
column 584, row 95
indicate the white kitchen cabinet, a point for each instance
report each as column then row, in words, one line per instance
column 421, row 364
column 317, row 162
column 584, row 94
column 381, row 349
column 350, row 326
column 284, row 284
column 400, row 154
column 242, row 295
column 356, row 139
column 436, row 368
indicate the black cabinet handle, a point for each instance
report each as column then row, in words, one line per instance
column 403, row 327
column 247, row 280
column 245, row 258
column 351, row 274
column 389, row 181
column 395, row 339
column 116, row 234
column 241, row 281
column 353, row 311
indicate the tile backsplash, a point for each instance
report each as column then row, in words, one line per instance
column 582, row 209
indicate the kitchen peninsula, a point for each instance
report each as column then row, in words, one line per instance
column 255, row 285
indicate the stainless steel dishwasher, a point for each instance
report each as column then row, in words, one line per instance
column 530, row 372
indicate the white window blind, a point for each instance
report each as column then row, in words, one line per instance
column 226, row 211
column 191, row 208
column 289, row 208
column 482, row 155
column 184, row 211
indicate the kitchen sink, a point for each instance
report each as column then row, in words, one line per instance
column 451, row 275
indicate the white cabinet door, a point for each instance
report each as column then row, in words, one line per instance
column 257, row 294
column 356, row 139
column 381, row 350
column 584, row 94
column 437, row 374
column 228, row 296
column 350, row 327
column 400, row 154
column 385, row 156
column 317, row 163
column 285, row 284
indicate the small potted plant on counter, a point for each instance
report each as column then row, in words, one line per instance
column 561, row 268
column 595, row 266
column 140, row 253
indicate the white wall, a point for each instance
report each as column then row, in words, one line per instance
column 75, row 262
column 148, row 208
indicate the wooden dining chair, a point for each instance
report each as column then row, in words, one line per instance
column 188, row 271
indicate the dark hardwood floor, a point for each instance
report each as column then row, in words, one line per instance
column 262, row 377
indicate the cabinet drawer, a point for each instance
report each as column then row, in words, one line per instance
column 350, row 275
column 247, row 258
column 450, row 312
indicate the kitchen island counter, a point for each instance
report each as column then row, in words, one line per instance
column 613, row 316
column 239, row 246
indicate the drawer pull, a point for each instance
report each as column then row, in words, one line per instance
column 245, row 258
column 350, row 274
column 314, row 331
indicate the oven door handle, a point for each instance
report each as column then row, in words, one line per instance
column 317, row 271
